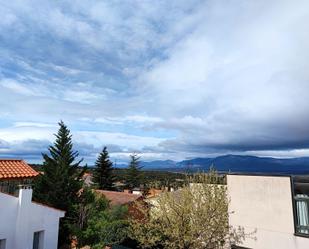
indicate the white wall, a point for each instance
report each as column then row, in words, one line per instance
column 8, row 213
column 264, row 204
column 20, row 218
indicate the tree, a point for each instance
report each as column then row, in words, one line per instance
column 61, row 179
column 134, row 175
column 194, row 217
column 85, row 209
column 107, row 227
column 99, row 224
column 103, row 175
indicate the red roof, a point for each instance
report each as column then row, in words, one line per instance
column 14, row 168
column 119, row 198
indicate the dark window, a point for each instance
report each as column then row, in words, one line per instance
column 38, row 238
column 301, row 204
column 2, row 243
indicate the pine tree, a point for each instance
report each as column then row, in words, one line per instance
column 61, row 179
column 103, row 175
column 134, row 175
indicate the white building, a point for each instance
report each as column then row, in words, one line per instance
column 274, row 207
column 25, row 224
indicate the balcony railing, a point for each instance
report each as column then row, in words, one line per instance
column 9, row 187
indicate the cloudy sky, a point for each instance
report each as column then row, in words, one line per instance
column 167, row 79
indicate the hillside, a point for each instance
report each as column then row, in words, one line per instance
column 235, row 163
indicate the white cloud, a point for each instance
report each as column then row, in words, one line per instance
column 34, row 138
column 139, row 119
column 16, row 87
column 34, row 124
column 82, row 96
column 122, row 139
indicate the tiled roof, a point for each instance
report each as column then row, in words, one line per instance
column 14, row 168
column 119, row 198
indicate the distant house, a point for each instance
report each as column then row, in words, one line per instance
column 123, row 199
column 277, row 207
column 24, row 224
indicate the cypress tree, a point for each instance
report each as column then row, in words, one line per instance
column 61, row 180
column 134, row 175
column 103, row 175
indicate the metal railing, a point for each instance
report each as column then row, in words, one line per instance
column 9, row 187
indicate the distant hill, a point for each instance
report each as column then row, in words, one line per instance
column 160, row 164
column 236, row 164
column 228, row 163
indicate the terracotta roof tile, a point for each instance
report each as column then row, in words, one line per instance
column 14, row 168
column 119, row 198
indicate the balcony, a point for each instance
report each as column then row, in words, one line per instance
column 12, row 186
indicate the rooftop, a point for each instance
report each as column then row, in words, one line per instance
column 15, row 168
column 119, row 198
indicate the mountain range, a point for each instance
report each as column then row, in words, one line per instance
column 234, row 164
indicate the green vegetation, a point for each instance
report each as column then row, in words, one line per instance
column 61, row 180
column 194, row 217
column 103, row 176
column 90, row 220
column 99, row 224
column 134, row 177
column 154, row 179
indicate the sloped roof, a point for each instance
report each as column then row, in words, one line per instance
column 119, row 198
column 44, row 205
column 15, row 168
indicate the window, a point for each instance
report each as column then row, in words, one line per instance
column 301, row 204
column 38, row 238
column 2, row 243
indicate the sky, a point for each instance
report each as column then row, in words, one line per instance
column 169, row 79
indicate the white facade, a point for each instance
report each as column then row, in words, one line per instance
column 264, row 204
column 20, row 218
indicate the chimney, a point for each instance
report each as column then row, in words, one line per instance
column 25, row 195
column 23, row 216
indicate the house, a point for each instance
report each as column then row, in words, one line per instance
column 274, row 208
column 119, row 198
column 24, row 224
column 123, row 199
